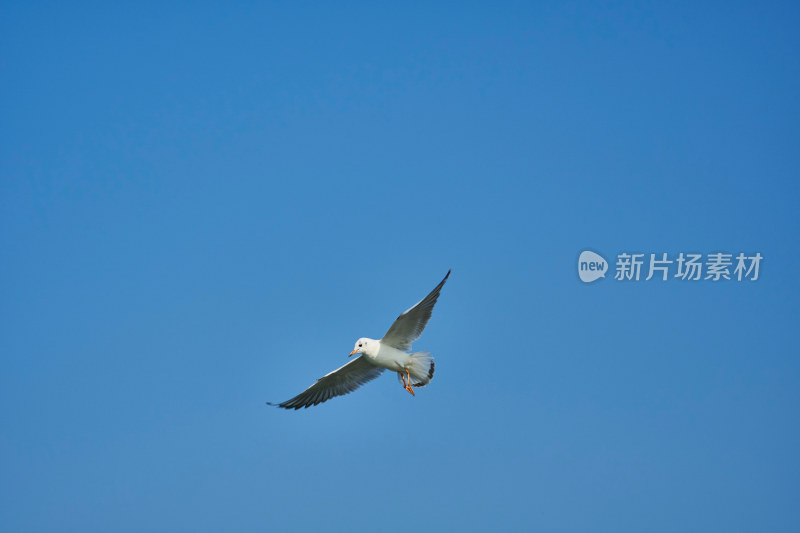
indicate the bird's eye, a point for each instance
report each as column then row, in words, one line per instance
column 359, row 346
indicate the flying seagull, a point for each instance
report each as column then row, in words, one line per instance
column 391, row 352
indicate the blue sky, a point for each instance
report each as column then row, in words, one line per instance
column 203, row 206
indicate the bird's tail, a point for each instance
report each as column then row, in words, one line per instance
column 421, row 368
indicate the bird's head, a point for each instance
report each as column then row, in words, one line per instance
column 362, row 346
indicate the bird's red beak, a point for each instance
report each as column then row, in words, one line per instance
column 351, row 353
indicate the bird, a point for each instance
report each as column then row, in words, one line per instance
column 389, row 353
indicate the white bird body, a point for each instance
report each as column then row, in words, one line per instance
column 385, row 356
column 390, row 353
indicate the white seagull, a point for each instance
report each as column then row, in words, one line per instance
column 413, row 369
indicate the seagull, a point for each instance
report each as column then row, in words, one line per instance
column 390, row 352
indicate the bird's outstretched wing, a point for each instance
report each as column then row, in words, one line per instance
column 341, row 381
column 409, row 326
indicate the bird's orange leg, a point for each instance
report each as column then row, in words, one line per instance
column 405, row 384
column 409, row 386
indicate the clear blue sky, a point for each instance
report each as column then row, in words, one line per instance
column 203, row 206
